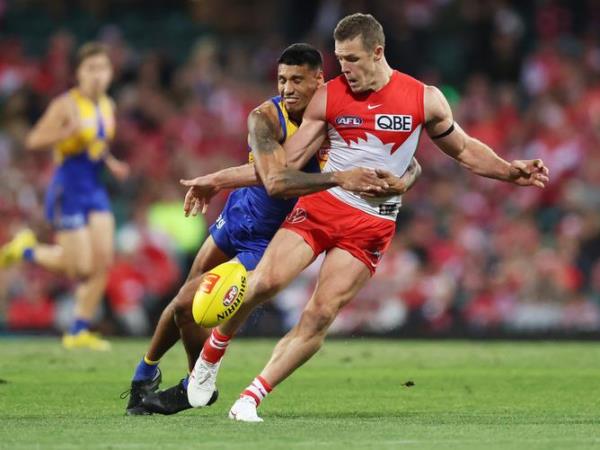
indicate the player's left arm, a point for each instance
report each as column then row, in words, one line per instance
column 472, row 153
column 203, row 188
column 119, row 169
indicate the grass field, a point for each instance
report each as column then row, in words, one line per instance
column 352, row 395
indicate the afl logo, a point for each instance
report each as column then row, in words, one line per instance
column 348, row 121
column 230, row 296
column 296, row 216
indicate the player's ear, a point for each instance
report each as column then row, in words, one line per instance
column 320, row 77
column 378, row 53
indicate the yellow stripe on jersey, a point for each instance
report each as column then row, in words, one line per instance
column 97, row 128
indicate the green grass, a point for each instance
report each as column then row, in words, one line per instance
column 350, row 396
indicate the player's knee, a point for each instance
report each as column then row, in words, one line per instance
column 80, row 269
column 103, row 262
column 264, row 286
column 316, row 319
column 182, row 305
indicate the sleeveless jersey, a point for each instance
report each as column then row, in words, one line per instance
column 378, row 130
column 80, row 157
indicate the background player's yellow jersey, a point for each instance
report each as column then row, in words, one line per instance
column 97, row 128
column 288, row 129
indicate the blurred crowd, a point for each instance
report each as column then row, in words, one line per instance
column 471, row 256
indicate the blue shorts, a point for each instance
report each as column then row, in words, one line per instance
column 239, row 233
column 68, row 207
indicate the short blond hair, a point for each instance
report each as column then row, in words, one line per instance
column 89, row 49
column 364, row 25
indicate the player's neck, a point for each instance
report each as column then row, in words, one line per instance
column 93, row 96
column 383, row 75
column 296, row 117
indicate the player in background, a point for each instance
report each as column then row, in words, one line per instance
column 372, row 116
column 79, row 126
column 247, row 223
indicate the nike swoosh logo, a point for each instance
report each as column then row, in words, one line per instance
column 370, row 107
column 202, row 380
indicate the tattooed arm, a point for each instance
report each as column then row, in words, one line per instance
column 281, row 180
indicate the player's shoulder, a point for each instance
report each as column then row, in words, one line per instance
column 264, row 115
column 63, row 104
column 267, row 110
column 406, row 78
column 335, row 86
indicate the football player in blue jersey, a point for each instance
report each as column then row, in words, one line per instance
column 78, row 125
column 247, row 223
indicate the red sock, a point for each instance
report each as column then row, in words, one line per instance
column 215, row 346
column 257, row 390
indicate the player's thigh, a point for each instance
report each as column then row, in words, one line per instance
column 340, row 278
column 208, row 257
column 102, row 234
column 286, row 256
column 77, row 251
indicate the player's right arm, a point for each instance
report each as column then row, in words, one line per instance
column 58, row 122
column 274, row 169
column 278, row 169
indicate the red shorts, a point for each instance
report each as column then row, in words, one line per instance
column 325, row 222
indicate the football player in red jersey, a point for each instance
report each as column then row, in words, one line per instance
column 246, row 224
column 373, row 116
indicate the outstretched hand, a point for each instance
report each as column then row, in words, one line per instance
column 529, row 172
column 200, row 193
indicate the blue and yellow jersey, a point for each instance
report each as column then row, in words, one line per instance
column 97, row 129
column 288, row 129
column 80, row 157
column 267, row 213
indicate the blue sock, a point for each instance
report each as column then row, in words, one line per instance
column 79, row 325
column 28, row 254
column 186, row 380
column 145, row 371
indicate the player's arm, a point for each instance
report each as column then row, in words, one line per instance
column 119, row 169
column 472, row 153
column 202, row 189
column 283, row 180
column 58, row 122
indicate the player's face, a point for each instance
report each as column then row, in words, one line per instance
column 297, row 85
column 357, row 63
column 95, row 74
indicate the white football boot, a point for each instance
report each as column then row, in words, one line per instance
column 244, row 410
column 202, row 383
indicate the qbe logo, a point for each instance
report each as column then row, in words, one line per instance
column 393, row 122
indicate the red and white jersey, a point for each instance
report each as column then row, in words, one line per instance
column 374, row 130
